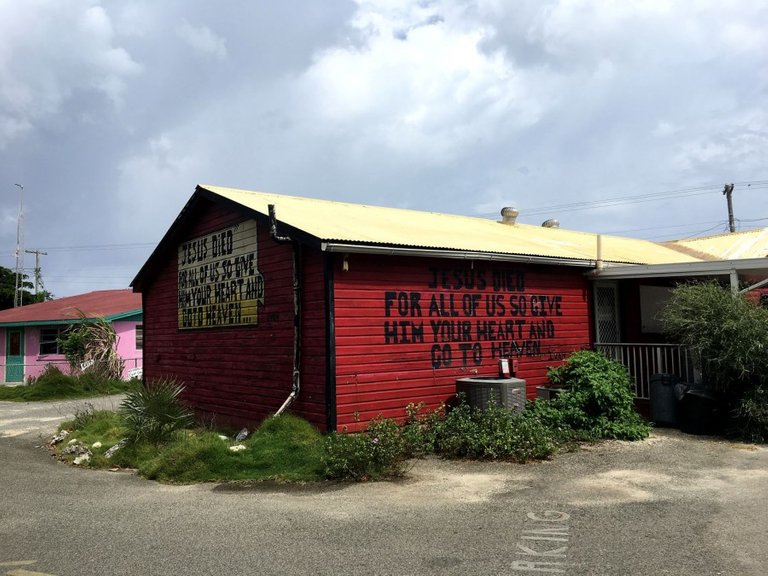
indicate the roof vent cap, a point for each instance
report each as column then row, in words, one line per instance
column 509, row 215
column 551, row 223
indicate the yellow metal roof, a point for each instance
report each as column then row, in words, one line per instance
column 731, row 246
column 358, row 223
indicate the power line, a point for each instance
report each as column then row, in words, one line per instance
column 621, row 200
column 97, row 247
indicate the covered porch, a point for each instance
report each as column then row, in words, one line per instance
column 628, row 301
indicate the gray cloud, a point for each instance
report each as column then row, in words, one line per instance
column 110, row 113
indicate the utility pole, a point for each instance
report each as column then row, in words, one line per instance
column 17, row 293
column 38, row 275
column 728, row 192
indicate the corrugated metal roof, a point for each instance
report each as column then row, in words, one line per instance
column 107, row 304
column 730, row 246
column 358, row 223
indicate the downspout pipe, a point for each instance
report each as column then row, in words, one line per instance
column 296, row 373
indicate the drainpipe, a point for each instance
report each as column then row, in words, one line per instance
column 296, row 373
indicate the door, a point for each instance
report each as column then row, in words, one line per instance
column 14, row 355
column 606, row 313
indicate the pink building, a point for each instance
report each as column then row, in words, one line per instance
column 29, row 334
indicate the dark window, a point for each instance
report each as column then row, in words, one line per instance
column 14, row 346
column 49, row 340
column 139, row 336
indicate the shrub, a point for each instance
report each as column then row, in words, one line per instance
column 153, row 412
column 93, row 341
column 419, row 432
column 597, row 402
column 379, row 452
column 750, row 417
column 492, row 433
column 727, row 333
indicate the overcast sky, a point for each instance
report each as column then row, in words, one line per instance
column 112, row 111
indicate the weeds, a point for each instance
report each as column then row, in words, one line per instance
column 53, row 384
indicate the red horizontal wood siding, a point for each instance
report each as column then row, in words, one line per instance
column 407, row 328
column 237, row 376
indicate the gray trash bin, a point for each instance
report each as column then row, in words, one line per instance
column 664, row 396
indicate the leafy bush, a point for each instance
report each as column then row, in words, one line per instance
column 492, row 433
column 597, row 401
column 154, row 411
column 750, row 417
column 727, row 333
column 93, row 341
column 379, row 452
column 419, row 432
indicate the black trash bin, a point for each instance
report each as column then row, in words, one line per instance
column 664, row 397
column 699, row 413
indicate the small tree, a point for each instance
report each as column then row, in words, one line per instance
column 93, row 343
column 727, row 333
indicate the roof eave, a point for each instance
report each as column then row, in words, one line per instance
column 705, row 268
column 382, row 250
column 78, row 320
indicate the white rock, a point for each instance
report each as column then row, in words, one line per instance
column 59, row 437
column 80, row 459
column 109, row 453
column 96, row 445
column 73, row 441
column 223, row 437
column 237, row 448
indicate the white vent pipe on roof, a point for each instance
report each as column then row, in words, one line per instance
column 599, row 265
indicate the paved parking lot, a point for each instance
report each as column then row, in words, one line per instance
column 673, row 504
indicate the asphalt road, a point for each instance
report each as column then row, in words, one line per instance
column 672, row 505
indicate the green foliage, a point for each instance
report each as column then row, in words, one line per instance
column 597, row 401
column 53, row 384
column 281, row 449
column 154, row 411
column 8, row 289
column 379, row 452
column 383, row 450
column 493, row 433
column 93, row 342
column 727, row 333
column 750, row 417
column 73, row 345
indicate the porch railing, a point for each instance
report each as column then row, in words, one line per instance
column 645, row 360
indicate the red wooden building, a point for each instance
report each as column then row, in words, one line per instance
column 343, row 311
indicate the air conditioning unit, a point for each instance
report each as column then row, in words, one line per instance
column 506, row 392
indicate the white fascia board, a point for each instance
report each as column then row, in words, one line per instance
column 703, row 268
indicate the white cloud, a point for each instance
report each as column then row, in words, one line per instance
column 203, row 40
column 419, row 83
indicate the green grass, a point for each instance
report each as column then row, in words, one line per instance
column 283, row 449
column 55, row 385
